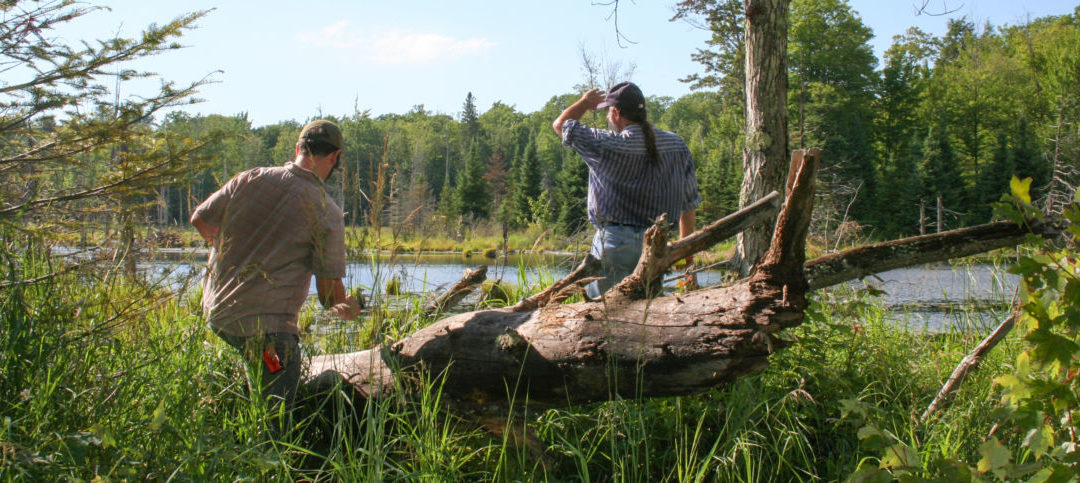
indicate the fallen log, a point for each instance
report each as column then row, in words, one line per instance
column 658, row 256
column 866, row 260
column 459, row 290
column 622, row 346
column 628, row 345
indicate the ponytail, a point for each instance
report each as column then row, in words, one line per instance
column 650, row 143
column 641, row 118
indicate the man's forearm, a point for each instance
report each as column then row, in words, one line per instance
column 331, row 291
column 333, row 297
column 686, row 228
column 686, row 223
column 586, row 103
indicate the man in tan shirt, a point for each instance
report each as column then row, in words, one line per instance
column 270, row 230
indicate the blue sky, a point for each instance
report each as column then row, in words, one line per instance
column 292, row 60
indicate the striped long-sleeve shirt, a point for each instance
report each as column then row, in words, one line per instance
column 624, row 187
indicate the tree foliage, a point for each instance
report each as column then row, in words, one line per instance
column 72, row 145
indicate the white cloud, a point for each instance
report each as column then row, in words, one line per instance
column 395, row 46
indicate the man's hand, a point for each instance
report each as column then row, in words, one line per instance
column 689, row 283
column 589, row 100
column 347, row 310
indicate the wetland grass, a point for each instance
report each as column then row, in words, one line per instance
column 104, row 377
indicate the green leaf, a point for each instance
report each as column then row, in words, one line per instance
column 1021, row 189
column 901, row 457
column 1040, row 440
column 159, row 416
column 1023, row 364
column 953, row 470
column 849, row 407
column 103, row 434
column 995, row 458
column 872, row 439
column 869, row 474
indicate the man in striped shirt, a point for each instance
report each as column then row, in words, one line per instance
column 636, row 174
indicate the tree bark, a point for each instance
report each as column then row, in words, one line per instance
column 766, row 148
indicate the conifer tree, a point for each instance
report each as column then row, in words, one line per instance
column 72, row 144
column 470, row 119
column 1026, row 160
column 472, row 196
column 940, row 171
column 993, row 181
column 571, row 190
column 526, row 185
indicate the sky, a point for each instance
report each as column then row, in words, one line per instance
column 277, row 60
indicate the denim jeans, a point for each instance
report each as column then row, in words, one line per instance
column 618, row 248
column 273, row 364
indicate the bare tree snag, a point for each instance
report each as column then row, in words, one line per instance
column 861, row 261
column 491, row 360
column 463, row 287
column 766, row 151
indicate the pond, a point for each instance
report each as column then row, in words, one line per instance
column 930, row 297
column 941, row 296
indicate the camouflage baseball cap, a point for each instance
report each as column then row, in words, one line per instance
column 324, row 131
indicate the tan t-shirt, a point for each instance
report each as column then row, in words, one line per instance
column 277, row 227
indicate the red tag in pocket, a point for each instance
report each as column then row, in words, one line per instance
column 271, row 360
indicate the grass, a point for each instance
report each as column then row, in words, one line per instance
column 105, row 377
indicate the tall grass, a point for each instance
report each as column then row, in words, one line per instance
column 101, row 376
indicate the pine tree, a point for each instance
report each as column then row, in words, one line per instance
column 901, row 191
column 571, row 190
column 526, row 186
column 470, row 119
column 472, row 196
column 1027, row 162
column 993, row 180
column 73, row 145
column 940, row 171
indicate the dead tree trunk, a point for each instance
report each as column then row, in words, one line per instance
column 969, row 363
column 624, row 345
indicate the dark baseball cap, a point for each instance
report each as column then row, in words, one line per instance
column 321, row 130
column 626, row 96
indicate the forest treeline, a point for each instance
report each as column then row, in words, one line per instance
column 948, row 118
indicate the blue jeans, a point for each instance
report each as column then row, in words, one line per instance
column 618, row 248
column 273, row 364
